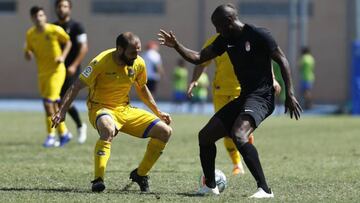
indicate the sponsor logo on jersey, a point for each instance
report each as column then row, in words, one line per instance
column 86, row 73
column 131, row 72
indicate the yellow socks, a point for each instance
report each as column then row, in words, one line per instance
column 101, row 157
column 153, row 152
column 232, row 150
column 62, row 129
column 49, row 129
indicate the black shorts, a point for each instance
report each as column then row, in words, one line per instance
column 258, row 105
column 69, row 80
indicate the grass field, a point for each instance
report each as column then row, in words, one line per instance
column 316, row 159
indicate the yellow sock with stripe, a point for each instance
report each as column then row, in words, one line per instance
column 152, row 154
column 50, row 131
column 101, row 157
column 232, row 150
column 62, row 129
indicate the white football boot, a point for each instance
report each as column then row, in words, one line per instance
column 82, row 133
column 260, row 193
column 204, row 190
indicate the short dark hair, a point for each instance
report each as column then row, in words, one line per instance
column 126, row 38
column 35, row 9
column 57, row 2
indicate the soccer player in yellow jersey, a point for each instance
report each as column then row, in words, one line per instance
column 109, row 77
column 44, row 41
column 225, row 88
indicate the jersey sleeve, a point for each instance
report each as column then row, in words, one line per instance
column 81, row 36
column 141, row 77
column 90, row 73
column 218, row 46
column 268, row 39
column 207, row 43
column 62, row 36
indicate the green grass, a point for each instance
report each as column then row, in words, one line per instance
column 312, row 160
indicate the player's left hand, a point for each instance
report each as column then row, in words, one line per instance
column 293, row 106
column 57, row 118
column 167, row 39
column 192, row 85
column 71, row 70
column 165, row 117
column 59, row 59
column 277, row 87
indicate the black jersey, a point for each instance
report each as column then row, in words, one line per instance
column 74, row 29
column 250, row 54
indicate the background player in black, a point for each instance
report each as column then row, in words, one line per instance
column 250, row 50
column 74, row 58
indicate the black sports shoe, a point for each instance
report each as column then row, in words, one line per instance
column 98, row 185
column 142, row 181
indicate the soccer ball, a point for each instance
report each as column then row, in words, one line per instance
column 220, row 180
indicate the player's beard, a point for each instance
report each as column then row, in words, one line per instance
column 126, row 60
column 62, row 17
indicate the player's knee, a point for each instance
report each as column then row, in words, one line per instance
column 240, row 135
column 106, row 133
column 165, row 133
column 106, row 128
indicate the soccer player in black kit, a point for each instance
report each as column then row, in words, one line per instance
column 250, row 50
column 73, row 60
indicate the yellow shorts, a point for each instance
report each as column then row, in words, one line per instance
column 221, row 100
column 50, row 84
column 130, row 120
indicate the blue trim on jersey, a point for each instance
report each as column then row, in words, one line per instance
column 146, row 132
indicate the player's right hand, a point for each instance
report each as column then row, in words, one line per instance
column 190, row 88
column 292, row 106
column 57, row 118
column 165, row 117
column 167, row 39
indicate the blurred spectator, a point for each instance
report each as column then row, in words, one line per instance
column 154, row 66
column 180, row 77
column 307, row 66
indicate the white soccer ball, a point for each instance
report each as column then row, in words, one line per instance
column 220, row 180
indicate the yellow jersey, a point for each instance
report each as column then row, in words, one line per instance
column 110, row 85
column 46, row 46
column 225, row 81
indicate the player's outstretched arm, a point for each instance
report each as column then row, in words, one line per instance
column 68, row 98
column 146, row 96
column 291, row 103
column 169, row 39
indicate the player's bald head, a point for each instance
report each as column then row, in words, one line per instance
column 127, row 38
column 224, row 12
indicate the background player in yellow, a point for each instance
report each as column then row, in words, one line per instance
column 43, row 41
column 225, row 88
column 109, row 77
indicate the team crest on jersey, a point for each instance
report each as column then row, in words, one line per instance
column 131, row 72
column 247, row 46
column 86, row 73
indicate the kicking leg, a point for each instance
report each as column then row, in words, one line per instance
column 242, row 128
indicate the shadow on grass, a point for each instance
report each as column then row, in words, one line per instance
column 72, row 190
